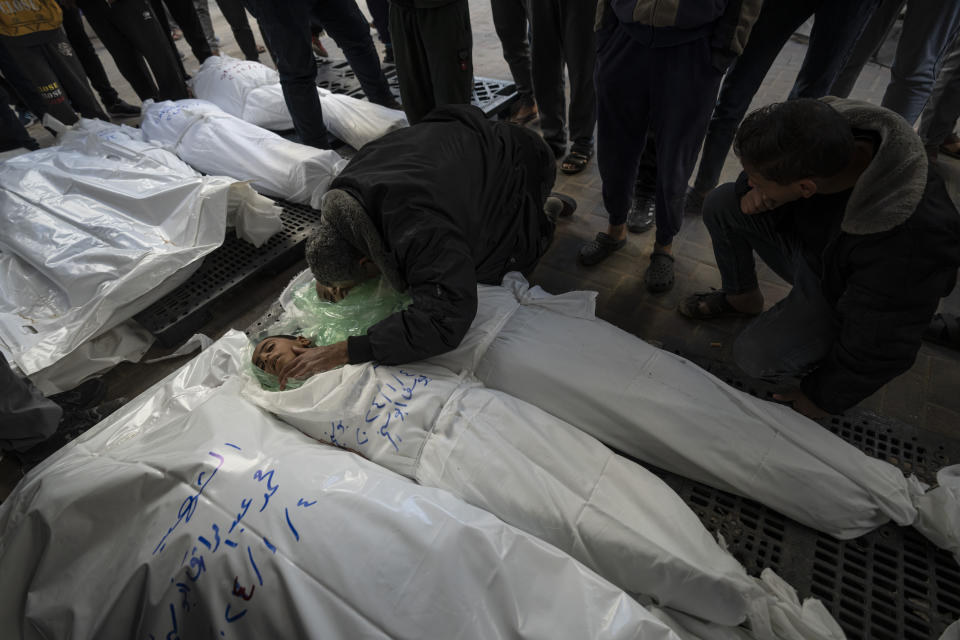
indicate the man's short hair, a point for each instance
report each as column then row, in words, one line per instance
column 794, row 140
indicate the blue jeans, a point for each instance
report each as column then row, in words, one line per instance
column 287, row 27
column 788, row 340
column 836, row 28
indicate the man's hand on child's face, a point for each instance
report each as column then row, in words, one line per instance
column 332, row 294
column 311, row 360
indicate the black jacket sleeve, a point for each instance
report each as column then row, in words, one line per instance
column 891, row 293
column 441, row 277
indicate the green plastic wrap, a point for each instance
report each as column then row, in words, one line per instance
column 325, row 323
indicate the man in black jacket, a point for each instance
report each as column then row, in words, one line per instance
column 839, row 199
column 436, row 208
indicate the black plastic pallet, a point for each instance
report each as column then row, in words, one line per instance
column 492, row 96
column 891, row 584
column 182, row 312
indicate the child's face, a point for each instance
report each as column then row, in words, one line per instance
column 274, row 353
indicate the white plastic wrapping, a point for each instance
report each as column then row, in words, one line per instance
column 533, row 471
column 666, row 411
column 191, row 513
column 252, row 92
column 215, row 142
column 93, row 231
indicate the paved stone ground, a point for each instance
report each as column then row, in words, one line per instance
column 926, row 396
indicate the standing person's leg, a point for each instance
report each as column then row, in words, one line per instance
column 929, row 28
column 24, row 88
column 546, row 63
column 876, row 31
column 185, row 14
column 837, row 26
column 26, row 417
column 579, row 51
column 345, row 23
column 413, row 66
column 59, row 55
column 623, row 108
column 13, row 135
column 160, row 14
column 380, row 12
column 236, row 16
column 642, row 214
column 203, row 14
column 447, row 36
column 87, row 55
column 940, row 117
column 777, row 22
column 512, row 27
column 683, row 93
column 287, row 26
column 33, row 61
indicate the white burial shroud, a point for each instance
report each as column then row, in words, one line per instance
column 553, row 352
column 541, row 475
column 215, row 142
column 99, row 227
column 252, row 92
column 192, row 513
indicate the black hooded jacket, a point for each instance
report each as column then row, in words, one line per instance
column 457, row 200
column 885, row 264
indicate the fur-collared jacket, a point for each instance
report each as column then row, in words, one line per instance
column 885, row 266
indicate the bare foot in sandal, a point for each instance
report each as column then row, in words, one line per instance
column 711, row 304
column 576, row 161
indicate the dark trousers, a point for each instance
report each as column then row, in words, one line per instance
column 512, row 24
column 77, row 36
column 380, row 11
column 58, row 76
column 668, row 91
column 19, row 85
column 130, row 31
column 837, row 26
column 13, row 135
column 26, row 417
column 562, row 34
column 433, row 52
column 646, row 185
column 788, row 340
column 286, row 26
column 236, row 17
column 185, row 14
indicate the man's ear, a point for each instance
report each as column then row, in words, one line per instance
column 807, row 187
column 303, row 342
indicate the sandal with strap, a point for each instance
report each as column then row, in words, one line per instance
column 944, row 330
column 659, row 276
column 576, row 161
column 707, row 305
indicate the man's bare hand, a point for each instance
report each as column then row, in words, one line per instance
column 332, row 294
column 311, row 360
column 801, row 403
column 755, row 202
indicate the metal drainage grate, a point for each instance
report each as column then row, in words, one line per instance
column 180, row 313
column 891, row 584
column 491, row 95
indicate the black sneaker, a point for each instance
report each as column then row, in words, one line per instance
column 643, row 214
column 121, row 109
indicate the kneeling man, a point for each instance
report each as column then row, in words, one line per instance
column 838, row 198
column 435, row 208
